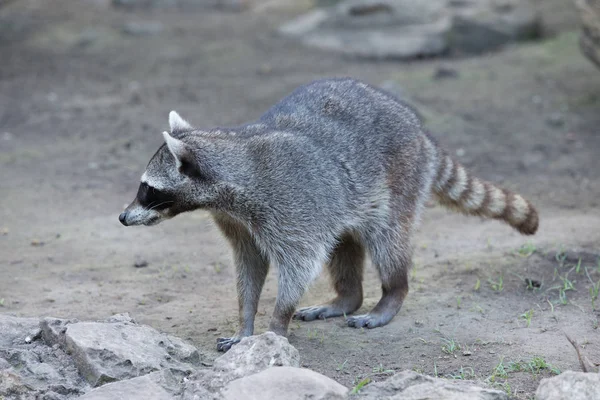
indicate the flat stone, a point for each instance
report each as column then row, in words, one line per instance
column 15, row 330
column 31, row 368
column 147, row 387
column 408, row 385
column 110, row 351
column 403, row 29
column 570, row 385
column 252, row 355
column 285, row 383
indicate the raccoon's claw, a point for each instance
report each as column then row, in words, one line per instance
column 309, row 313
column 365, row 321
column 224, row 344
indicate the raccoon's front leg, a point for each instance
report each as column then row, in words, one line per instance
column 346, row 270
column 294, row 278
column 252, row 269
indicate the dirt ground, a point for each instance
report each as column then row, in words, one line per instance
column 82, row 108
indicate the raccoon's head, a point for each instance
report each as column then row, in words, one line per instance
column 176, row 179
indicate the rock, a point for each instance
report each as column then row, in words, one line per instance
column 142, row 28
column 140, row 262
column 16, row 330
column 53, row 330
column 402, row 29
column 256, row 353
column 34, row 369
column 590, row 34
column 556, row 120
column 408, row 385
column 147, row 387
column 252, row 355
column 12, row 387
column 570, row 385
column 110, row 351
column 445, row 73
column 227, row 5
column 487, row 25
column 285, row 383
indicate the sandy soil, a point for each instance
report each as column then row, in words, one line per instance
column 82, row 106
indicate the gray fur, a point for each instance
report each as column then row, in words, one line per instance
column 336, row 169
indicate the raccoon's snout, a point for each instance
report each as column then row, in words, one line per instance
column 123, row 218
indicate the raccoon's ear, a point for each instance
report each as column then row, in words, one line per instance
column 184, row 158
column 177, row 123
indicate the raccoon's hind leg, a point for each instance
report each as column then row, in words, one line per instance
column 346, row 271
column 391, row 253
column 252, row 268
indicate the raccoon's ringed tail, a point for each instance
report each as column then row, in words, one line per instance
column 456, row 189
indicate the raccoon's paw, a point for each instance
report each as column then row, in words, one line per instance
column 317, row 312
column 224, row 344
column 367, row 321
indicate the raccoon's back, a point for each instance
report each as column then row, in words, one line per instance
column 341, row 110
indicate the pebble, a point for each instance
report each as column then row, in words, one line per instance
column 445, row 73
column 140, row 263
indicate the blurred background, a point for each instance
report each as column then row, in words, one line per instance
column 511, row 87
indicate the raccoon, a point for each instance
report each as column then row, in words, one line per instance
column 336, row 170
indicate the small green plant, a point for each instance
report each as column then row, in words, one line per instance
column 507, row 389
column 578, row 266
column 462, row 374
column 594, row 289
column 381, row 370
column 477, row 308
column 562, row 297
column 499, row 371
column 526, row 250
column 342, row 366
column 534, row 366
column 477, row 285
column 450, row 346
column 538, row 364
column 361, row 384
column 458, row 301
column 527, row 317
column 561, row 256
column 2, row 302
column 567, row 284
column 497, row 285
column 515, row 366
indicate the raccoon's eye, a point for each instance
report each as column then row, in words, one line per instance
column 153, row 198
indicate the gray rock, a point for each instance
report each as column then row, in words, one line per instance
column 110, row 351
column 401, row 29
column 590, row 33
column 556, row 120
column 252, row 355
column 16, row 330
column 228, row 5
column 158, row 385
column 285, row 383
column 408, row 385
column 33, row 369
column 570, row 385
column 12, row 386
column 53, row 330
